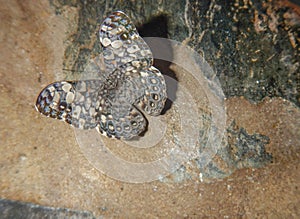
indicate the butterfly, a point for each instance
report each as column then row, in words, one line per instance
column 113, row 104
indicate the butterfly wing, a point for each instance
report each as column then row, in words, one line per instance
column 122, row 44
column 75, row 102
column 155, row 95
column 94, row 104
column 122, row 122
column 123, row 48
column 119, row 118
column 145, row 89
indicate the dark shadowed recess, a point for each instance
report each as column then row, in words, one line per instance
column 16, row 209
column 158, row 27
column 297, row 2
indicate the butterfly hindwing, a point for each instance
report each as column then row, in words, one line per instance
column 119, row 117
column 122, row 123
column 153, row 100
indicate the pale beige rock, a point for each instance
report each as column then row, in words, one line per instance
column 41, row 162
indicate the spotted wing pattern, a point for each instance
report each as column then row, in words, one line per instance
column 118, row 116
column 122, row 44
column 69, row 101
column 113, row 104
column 155, row 91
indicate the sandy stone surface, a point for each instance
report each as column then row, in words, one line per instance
column 42, row 163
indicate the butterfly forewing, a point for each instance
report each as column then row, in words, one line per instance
column 75, row 102
column 122, row 43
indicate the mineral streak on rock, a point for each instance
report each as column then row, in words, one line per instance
column 245, row 150
column 242, row 150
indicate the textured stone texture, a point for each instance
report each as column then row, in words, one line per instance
column 41, row 162
column 252, row 45
column 241, row 151
column 16, row 209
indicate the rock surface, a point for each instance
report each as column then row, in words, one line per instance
column 41, row 162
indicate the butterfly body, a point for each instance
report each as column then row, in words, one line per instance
column 112, row 104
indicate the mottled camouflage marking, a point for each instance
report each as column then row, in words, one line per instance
column 111, row 105
column 122, row 44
